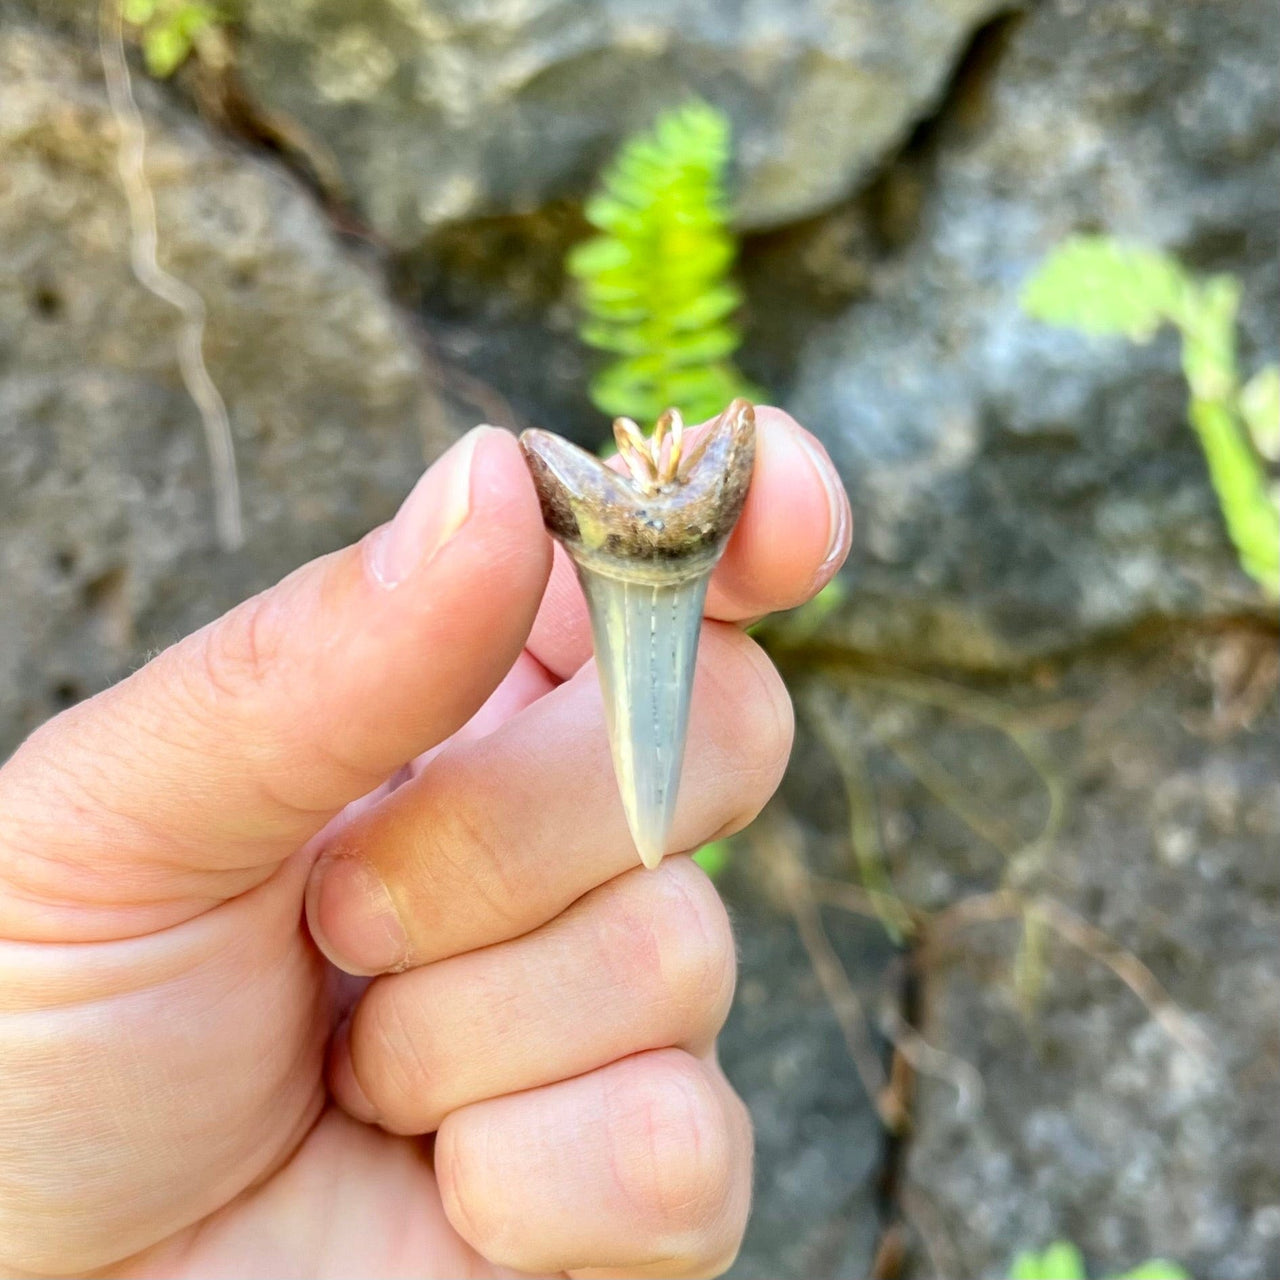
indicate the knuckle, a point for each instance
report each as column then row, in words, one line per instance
column 61, row 804
column 239, row 653
column 691, row 959
column 672, row 1149
column 464, row 854
column 466, row 1185
column 391, row 1055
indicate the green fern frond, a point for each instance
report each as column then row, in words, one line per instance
column 655, row 285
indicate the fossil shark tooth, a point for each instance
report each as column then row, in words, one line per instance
column 644, row 545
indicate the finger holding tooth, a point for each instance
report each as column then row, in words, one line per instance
column 791, row 538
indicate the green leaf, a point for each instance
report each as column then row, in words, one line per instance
column 1026, row 1266
column 1208, row 324
column 165, row 49
column 1248, row 508
column 138, row 12
column 623, row 340
column 709, row 307
column 193, row 18
column 1060, row 1261
column 169, row 30
column 1260, row 409
column 608, row 213
column 1157, row 1269
column 699, row 348
column 619, row 392
column 1102, row 286
column 603, row 253
column 1063, row 1261
column 713, row 858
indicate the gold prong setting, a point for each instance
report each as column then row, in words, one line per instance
column 654, row 461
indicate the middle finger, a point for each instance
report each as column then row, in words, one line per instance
column 497, row 837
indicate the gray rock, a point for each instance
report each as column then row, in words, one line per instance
column 106, row 538
column 440, row 110
column 1021, row 489
column 820, row 1148
column 1019, row 492
column 1095, row 1124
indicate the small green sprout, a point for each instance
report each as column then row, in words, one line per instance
column 1063, row 1261
column 169, row 30
column 1060, row 1261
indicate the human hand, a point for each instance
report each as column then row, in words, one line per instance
column 170, row 849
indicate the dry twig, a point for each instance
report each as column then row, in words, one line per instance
column 143, row 238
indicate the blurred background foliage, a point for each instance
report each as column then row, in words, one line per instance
column 1006, row 933
column 1103, row 287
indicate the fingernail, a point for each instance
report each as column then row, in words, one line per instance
column 434, row 511
column 837, row 504
column 353, row 918
column 343, row 1082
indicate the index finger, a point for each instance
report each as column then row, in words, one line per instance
column 791, row 538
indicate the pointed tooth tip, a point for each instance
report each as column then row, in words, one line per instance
column 650, row 855
column 650, row 831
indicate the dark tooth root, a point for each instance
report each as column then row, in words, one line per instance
column 586, row 504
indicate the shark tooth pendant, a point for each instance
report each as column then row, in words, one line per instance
column 644, row 545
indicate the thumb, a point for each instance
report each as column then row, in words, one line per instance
column 191, row 780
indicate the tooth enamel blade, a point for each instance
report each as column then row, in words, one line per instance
column 646, row 644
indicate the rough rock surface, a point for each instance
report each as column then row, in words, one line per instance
column 1021, row 489
column 819, row 1146
column 1092, row 1122
column 1095, row 1124
column 1020, row 492
column 106, row 538
column 440, row 110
